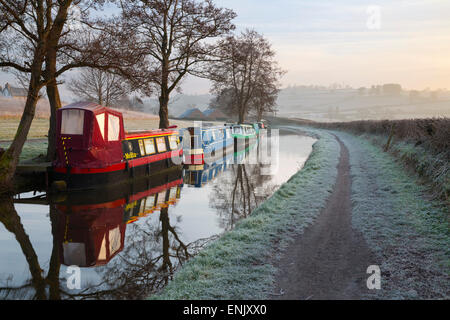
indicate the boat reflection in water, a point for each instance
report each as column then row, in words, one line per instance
column 240, row 188
column 112, row 236
column 92, row 229
column 198, row 175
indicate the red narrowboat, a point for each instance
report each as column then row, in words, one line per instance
column 93, row 148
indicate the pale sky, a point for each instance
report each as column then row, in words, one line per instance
column 327, row 41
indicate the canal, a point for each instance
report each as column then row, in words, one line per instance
column 127, row 242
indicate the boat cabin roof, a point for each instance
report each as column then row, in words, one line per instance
column 90, row 106
column 149, row 133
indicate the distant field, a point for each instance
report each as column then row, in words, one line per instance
column 348, row 105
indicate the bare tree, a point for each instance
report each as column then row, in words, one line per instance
column 176, row 35
column 102, row 87
column 81, row 40
column 248, row 70
column 265, row 98
column 224, row 101
column 28, row 25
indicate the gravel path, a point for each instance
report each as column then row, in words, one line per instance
column 329, row 260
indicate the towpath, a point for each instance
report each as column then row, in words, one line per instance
column 329, row 260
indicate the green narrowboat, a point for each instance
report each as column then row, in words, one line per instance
column 244, row 135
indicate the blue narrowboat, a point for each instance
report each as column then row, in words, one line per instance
column 199, row 175
column 207, row 144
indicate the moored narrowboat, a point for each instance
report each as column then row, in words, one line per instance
column 208, row 145
column 244, row 135
column 93, row 148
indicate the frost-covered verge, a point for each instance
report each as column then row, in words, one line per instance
column 433, row 166
column 237, row 265
column 422, row 144
column 408, row 233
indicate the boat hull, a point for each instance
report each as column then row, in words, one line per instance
column 75, row 179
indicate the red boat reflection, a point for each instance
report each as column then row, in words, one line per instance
column 92, row 226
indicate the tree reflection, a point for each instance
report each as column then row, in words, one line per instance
column 153, row 253
column 151, row 257
column 11, row 221
column 242, row 189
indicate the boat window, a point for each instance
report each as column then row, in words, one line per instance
column 101, row 123
column 149, row 145
column 141, row 205
column 72, row 122
column 161, row 198
column 74, row 253
column 206, row 136
column 102, row 253
column 130, row 146
column 161, row 144
column 173, row 142
column 149, row 204
column 173, row 193
column 141, row 147
column 114, row 240
column 113, row 127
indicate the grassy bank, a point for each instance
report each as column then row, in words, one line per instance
column 238, row 265
column 422, row 144
column 406, row 230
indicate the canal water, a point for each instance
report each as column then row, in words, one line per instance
column 127, row 242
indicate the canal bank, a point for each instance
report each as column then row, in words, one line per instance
column 239, row 264
column 390, row 222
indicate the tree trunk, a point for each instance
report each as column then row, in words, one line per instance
column 163, row 111
column 55, row 263
column 12, row 223
column 166, row 267
column 55, row 104
column 241, row 115
column 10, row 158
column 260, row 114
column 164, row 94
